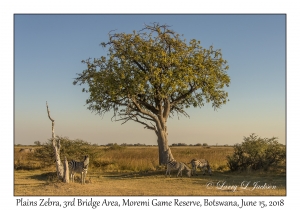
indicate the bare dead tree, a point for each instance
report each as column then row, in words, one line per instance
column 56, row 146
column 66, row 171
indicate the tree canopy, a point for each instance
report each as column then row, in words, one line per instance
column 152, row 74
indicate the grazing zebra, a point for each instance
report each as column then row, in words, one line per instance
column 79, row 167
column 202, row 164
column 174, row 165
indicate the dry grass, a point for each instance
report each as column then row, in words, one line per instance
column 135, row 172
column 152, row 184
column 146, row 158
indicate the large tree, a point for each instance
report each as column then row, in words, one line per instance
column 151, row 75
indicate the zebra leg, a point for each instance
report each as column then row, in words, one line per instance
column 195, row 171
column 203, row 171
column 167, row 173
column 189, row 173
column 179, row 171
column 82, row 177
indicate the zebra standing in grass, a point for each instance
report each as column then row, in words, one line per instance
column 79, row 167
column 174, row 165
column 202, row 164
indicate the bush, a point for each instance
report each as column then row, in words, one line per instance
column 72, row 149
column 38, row 143
column 115, row 147
column 256, row 153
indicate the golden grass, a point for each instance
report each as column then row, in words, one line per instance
column 135, row 172
column 152, row 184
column 146, row 158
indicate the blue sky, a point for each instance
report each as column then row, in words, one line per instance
column 48, row 50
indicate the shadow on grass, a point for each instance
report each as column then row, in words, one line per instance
column 49, row 176
column 114, row 175
column 227, row 177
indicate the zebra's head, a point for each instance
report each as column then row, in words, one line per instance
column 86, row 161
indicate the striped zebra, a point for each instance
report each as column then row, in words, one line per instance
column 174, row 165
column 79, row 167
column 202, row 164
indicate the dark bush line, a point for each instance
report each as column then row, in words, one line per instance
column 256, row 153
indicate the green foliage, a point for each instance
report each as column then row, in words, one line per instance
column 38, row 143
column 71, row 149
column 179, row 144
column 205, row 144
column 148, row 69
column 115, row 147
column 256, row 153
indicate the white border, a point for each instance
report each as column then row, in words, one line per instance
column 9, row 8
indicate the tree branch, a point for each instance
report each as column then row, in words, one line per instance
column 183, row 96
column 139, row 65
column 135, row 119
column 48, row 111
column 142, row 110
column 167, row 108
column 148, row 106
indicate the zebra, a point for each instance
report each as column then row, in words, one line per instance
column 202, row 164
column 174, row 165
column 79, row 167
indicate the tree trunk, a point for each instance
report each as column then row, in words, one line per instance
column 66, row 171
column 164, row 151
column 56, row 147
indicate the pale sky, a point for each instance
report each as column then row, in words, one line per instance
column 48, row 50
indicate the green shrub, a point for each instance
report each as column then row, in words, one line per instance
column 256, row 153
column 115, row 147
column 71, row 149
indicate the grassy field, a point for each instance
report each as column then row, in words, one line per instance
column 134, row 171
